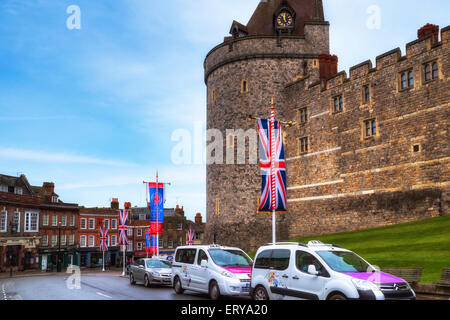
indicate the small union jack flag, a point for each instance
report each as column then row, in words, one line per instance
column 123, row 221
column 190, row 235
column 103, row 239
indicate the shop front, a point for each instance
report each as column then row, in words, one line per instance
column 19, row 254
column 49, row 258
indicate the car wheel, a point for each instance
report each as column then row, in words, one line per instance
column 214, row 291
column 337, row 296
column 260, row 293
column 177, row 286
column 146, row 282
column 132, row 281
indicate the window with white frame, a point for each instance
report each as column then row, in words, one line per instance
column 170, row 243
column 91, row 241
column 160, row 243
column 83, row 241
column 45, row 220
column 139, row 232
column 114, row 224
column 54, row 220
column 71, row 239
column 63, row 240
column 45, row 240
column 139, row 245
column 107, row 223
column 180, row 226
column 129, row 232
column 18, row 190
column 3, row 221
column 54, row 199
column 3, row 188
column 64, row 221
column 31, row 222
column 54, row 240
column 17, row 220
column 72, row 221
column 130, row 246
column 92, row 223
column 83, row 223
column 113, row 241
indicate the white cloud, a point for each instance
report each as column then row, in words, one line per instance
column 41, row 156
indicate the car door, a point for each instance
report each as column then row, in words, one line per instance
column 200, row 277
column 139, row 270
column 188, row 260
column 303, row 285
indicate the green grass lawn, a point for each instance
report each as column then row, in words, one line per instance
column 424, row 243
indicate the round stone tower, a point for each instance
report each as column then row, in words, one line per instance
column 281, row 43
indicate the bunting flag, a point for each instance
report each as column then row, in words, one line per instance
column 154, row 245
column 190, row 235
column 273, row 166
column 156, row 207
column 103, row 239
column 123, row 222
column 147, row 240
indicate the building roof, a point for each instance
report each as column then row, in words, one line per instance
column 262, row 20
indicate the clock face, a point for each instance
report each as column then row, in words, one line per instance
column 285, row 19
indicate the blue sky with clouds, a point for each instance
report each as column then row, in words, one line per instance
column 94, row 109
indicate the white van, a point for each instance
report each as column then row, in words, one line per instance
column 213, row 269
column 317, row 271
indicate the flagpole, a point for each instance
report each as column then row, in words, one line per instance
column 123, row 272
column 103, row 260
column 272, row 171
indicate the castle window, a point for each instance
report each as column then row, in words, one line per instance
column 338, row 104
column 303, row 115
column 406, row 79
column 217, row 206
column 244, row 86
column 366, row 91
column 427, row 72
column 416, row 148
column 435, row 70
column 370, row 128
column 213, row 95
column 303, row 145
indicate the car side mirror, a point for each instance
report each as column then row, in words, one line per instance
column 204, row 264
column 141, row 266
column 312, row 270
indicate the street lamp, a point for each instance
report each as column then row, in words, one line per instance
column 58, row 264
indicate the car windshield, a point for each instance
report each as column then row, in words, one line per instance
column 158, row 264
column 230, row 258
column 342, row 261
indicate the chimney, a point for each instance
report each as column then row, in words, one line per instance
column 49, row 187
column 127, row 205
column 198, row 218
column 427, row 30
column 328, row 66
column 115, row 203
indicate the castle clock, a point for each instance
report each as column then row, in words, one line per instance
column 285, row 20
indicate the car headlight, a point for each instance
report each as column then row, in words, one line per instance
column 154, row 273
column 228, row 274
column 364, row 285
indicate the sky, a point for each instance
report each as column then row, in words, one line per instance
column 94, row 109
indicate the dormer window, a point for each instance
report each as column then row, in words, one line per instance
column 3, row 188
column 55, row 199
column 18, row 190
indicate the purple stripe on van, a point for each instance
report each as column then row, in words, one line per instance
column 239, row 269
column 376, row 277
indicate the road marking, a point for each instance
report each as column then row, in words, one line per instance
column 104, row 295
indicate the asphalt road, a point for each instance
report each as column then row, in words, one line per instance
column 93, row 286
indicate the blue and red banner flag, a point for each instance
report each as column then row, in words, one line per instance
column 154, row 245
column 190, row 235
column 123, row 222
column 148, row 240
column 103, row 239
column 273, row 166
column 156, row 193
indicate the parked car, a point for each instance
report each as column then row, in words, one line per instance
column 214, row 269
column 151, row 271
column 319, row 271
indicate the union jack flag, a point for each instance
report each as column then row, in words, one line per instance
column 273, row 166
column 190, row 235
column 103, row 239
column 123, row 221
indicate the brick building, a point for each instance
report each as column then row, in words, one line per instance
column 90, row 222
column 26, row 216
column 368, row 149
column 198, row 227
column 57, row 228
